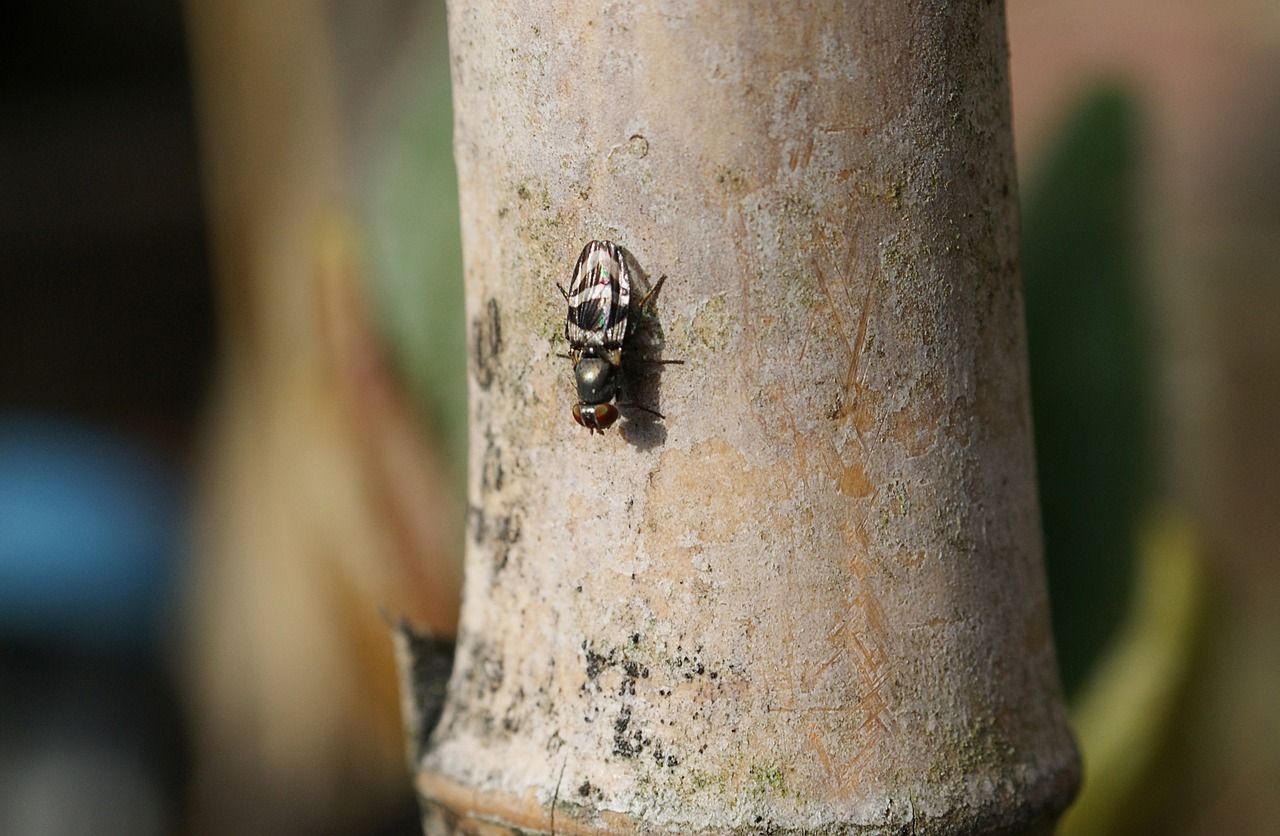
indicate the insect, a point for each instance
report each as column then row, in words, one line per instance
column 597, row 326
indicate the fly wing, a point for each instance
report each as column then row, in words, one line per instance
column 599, row 297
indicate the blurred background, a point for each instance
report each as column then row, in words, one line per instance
column 232, row 404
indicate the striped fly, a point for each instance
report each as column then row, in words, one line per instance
column 597, row 326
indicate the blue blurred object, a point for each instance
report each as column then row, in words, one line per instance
column 89, row 533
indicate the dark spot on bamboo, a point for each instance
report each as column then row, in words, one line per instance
column 499, row 533
column 492, row 475
column 486, row 344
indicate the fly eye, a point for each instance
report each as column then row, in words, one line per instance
column 577, row 415
column 606, row 414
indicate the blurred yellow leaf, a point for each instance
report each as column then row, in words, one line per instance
column 1128, row 707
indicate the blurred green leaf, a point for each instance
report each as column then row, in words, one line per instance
column 1088, row 384
column 415, row 247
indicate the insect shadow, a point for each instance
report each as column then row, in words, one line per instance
column 640, row 386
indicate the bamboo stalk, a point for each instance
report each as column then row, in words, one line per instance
column 811, row 598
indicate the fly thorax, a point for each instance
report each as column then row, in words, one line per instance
column 597, row 380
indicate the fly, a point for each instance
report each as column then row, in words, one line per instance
column 597, row 326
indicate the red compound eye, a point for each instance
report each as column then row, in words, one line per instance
column 606, row 414
column 596, row 418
